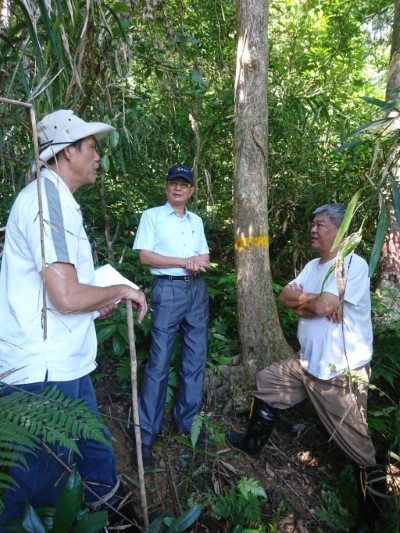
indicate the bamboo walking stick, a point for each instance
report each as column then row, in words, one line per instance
column 40, row 205
column 136, row 421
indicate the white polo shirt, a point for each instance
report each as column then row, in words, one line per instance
column 162, row 231
column 325, row 343
column 69, row 351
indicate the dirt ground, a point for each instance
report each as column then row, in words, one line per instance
column 296, row 465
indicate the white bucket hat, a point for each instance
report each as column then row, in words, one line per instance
column 62, row 128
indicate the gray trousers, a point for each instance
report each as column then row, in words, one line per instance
column 343, row 413
column 178, row 306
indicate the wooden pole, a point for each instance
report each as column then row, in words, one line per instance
column 136, row 421
column 40, row 205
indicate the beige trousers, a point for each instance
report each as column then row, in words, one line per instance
column 343, row 414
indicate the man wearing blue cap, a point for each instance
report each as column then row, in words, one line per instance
column 170, row 239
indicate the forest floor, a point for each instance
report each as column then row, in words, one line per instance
column 300, row 470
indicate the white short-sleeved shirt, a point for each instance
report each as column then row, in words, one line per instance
column 69, row 351
column 162, row 231
column 324, row 343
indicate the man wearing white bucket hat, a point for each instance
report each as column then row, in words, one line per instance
column 28, row 361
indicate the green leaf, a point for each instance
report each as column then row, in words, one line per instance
column 197, row 424
column 373, row 101
column 119, row 25
column 91, row 523
column 371, row 125
column 197, row 77
column 348, row 146
column 156, row 525
column 69, row 504
column 105, row 163
column 396, row 201
column 113, row 139
column 344, row 226
column 119, row 345
column 105, row 333
column 186, row 520
column 379, row 240
column 34, row 37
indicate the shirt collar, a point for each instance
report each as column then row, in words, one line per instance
column 58, row 182
column 169, row 210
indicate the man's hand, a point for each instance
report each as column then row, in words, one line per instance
column 337, row 315
column 310, row 305
column 67, row 295
column 197, row 263
column 104, row 312
column 138, row 300
column 296, row 286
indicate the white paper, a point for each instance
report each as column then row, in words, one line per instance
column 107, row 275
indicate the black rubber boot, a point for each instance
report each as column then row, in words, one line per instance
column 371, row 485
column 261, row 423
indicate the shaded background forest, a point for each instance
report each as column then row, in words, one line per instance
column 162, row 73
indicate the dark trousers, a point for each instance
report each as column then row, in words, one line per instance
column 177, row 306
column 42, row 483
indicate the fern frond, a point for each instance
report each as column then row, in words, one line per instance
column 6, row 480
column 197, row 424
column 250, row 486
column 53, row 417
column 251, row 508
column 26, row 419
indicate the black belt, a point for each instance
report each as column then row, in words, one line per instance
column 178, row 278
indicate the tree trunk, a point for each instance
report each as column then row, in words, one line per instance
column 260, row 334
column 390, row 264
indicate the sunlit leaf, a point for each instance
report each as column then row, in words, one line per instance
column 348, row 216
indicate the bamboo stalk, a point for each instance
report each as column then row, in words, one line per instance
column 36, row 149
column 138, row 438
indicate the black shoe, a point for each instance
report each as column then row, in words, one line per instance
column 123, row 512
column 243, row 443
column 147, row 458
column 202, row 438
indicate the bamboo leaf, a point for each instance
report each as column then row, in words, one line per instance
column 120, row 27
column 186, row 520
column 394, row 104
column 344, row 226
column 156, row 526
column 34, row 38
column 396, row 201
column 350, row 244
column 379, row 239
column 373, row 101
column 348, row 146
column 332, row 268
column 50, row 34
column 371, row 125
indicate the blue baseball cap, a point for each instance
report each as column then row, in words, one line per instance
column 180, row 171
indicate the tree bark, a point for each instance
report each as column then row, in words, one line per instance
column 260, row 334
column 390, row 263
